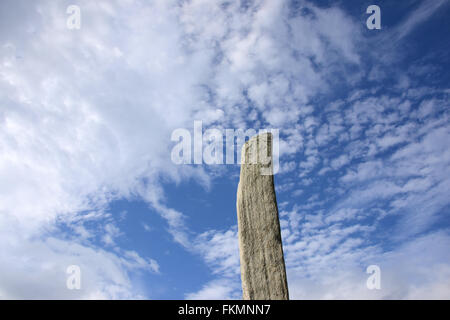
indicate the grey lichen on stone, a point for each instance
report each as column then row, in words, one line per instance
column 263, row 270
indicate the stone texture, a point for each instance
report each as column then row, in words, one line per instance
column 263, row 271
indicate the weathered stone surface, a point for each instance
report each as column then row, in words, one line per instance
column 263, row 271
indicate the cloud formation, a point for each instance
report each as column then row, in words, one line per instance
column 86, row 118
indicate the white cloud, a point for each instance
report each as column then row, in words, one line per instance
column 216, row 290
column 83, row 125
column 339, row 162
column 220, row 251
column 426, row 9
column 36, row 269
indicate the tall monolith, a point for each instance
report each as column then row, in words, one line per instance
column 263, row 271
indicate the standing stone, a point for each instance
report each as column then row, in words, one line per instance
column 263, row 271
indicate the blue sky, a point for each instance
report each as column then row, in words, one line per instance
column 86, row 117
